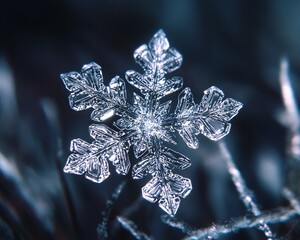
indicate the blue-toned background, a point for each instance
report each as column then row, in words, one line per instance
column 234, row 45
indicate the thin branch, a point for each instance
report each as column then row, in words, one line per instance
column 133, row 229
column 289, row 195
column 173, row 222
column 245, row 194
column 102, row 231
column 268, row 217
column 288, row 96
column 292, row 112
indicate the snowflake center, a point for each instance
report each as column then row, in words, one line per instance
column 148, row 125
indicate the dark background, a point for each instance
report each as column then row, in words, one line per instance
column 234, row 45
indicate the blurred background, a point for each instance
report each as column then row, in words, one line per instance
column 234, row 45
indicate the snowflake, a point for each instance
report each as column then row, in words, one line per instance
column 146, row 124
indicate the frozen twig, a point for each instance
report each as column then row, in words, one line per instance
column 244, row 192
column 292, row 113
column 216, row 230
column 102, row 227
column 268, row 217
column 132, row 228
column 289, row 99
column 292, row 122
column 289, row 195
column 173, row 222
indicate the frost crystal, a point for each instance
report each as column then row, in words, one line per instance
column 145, row 124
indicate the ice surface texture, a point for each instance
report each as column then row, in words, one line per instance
column 145, row 124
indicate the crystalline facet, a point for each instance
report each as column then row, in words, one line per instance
column 159, row 44
column 117, row 90
column 93, row 75
column 103, row 134
column 97, row 170
column 140, row 146
column 139, row 81
column 171, row 61
column 180, row 186
column 169, row 204
column 188, row 133
column 146, row 124
column 143, row 57
column 185, row 104
column 103, row 113
column 173, row 159
column 152, row 190
column 168, row 86
column 144, row 167
column 120, row 160
column 85, row 161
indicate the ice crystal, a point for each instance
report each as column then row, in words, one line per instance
column 146, row 124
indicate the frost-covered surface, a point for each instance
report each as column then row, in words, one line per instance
column 146, row 124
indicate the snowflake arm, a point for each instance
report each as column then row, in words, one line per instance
column 92, row 159
column 157, row 59
column 88, row 91
column 211, row 117
column 146, row 124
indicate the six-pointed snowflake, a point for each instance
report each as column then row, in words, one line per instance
column 145, row 124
